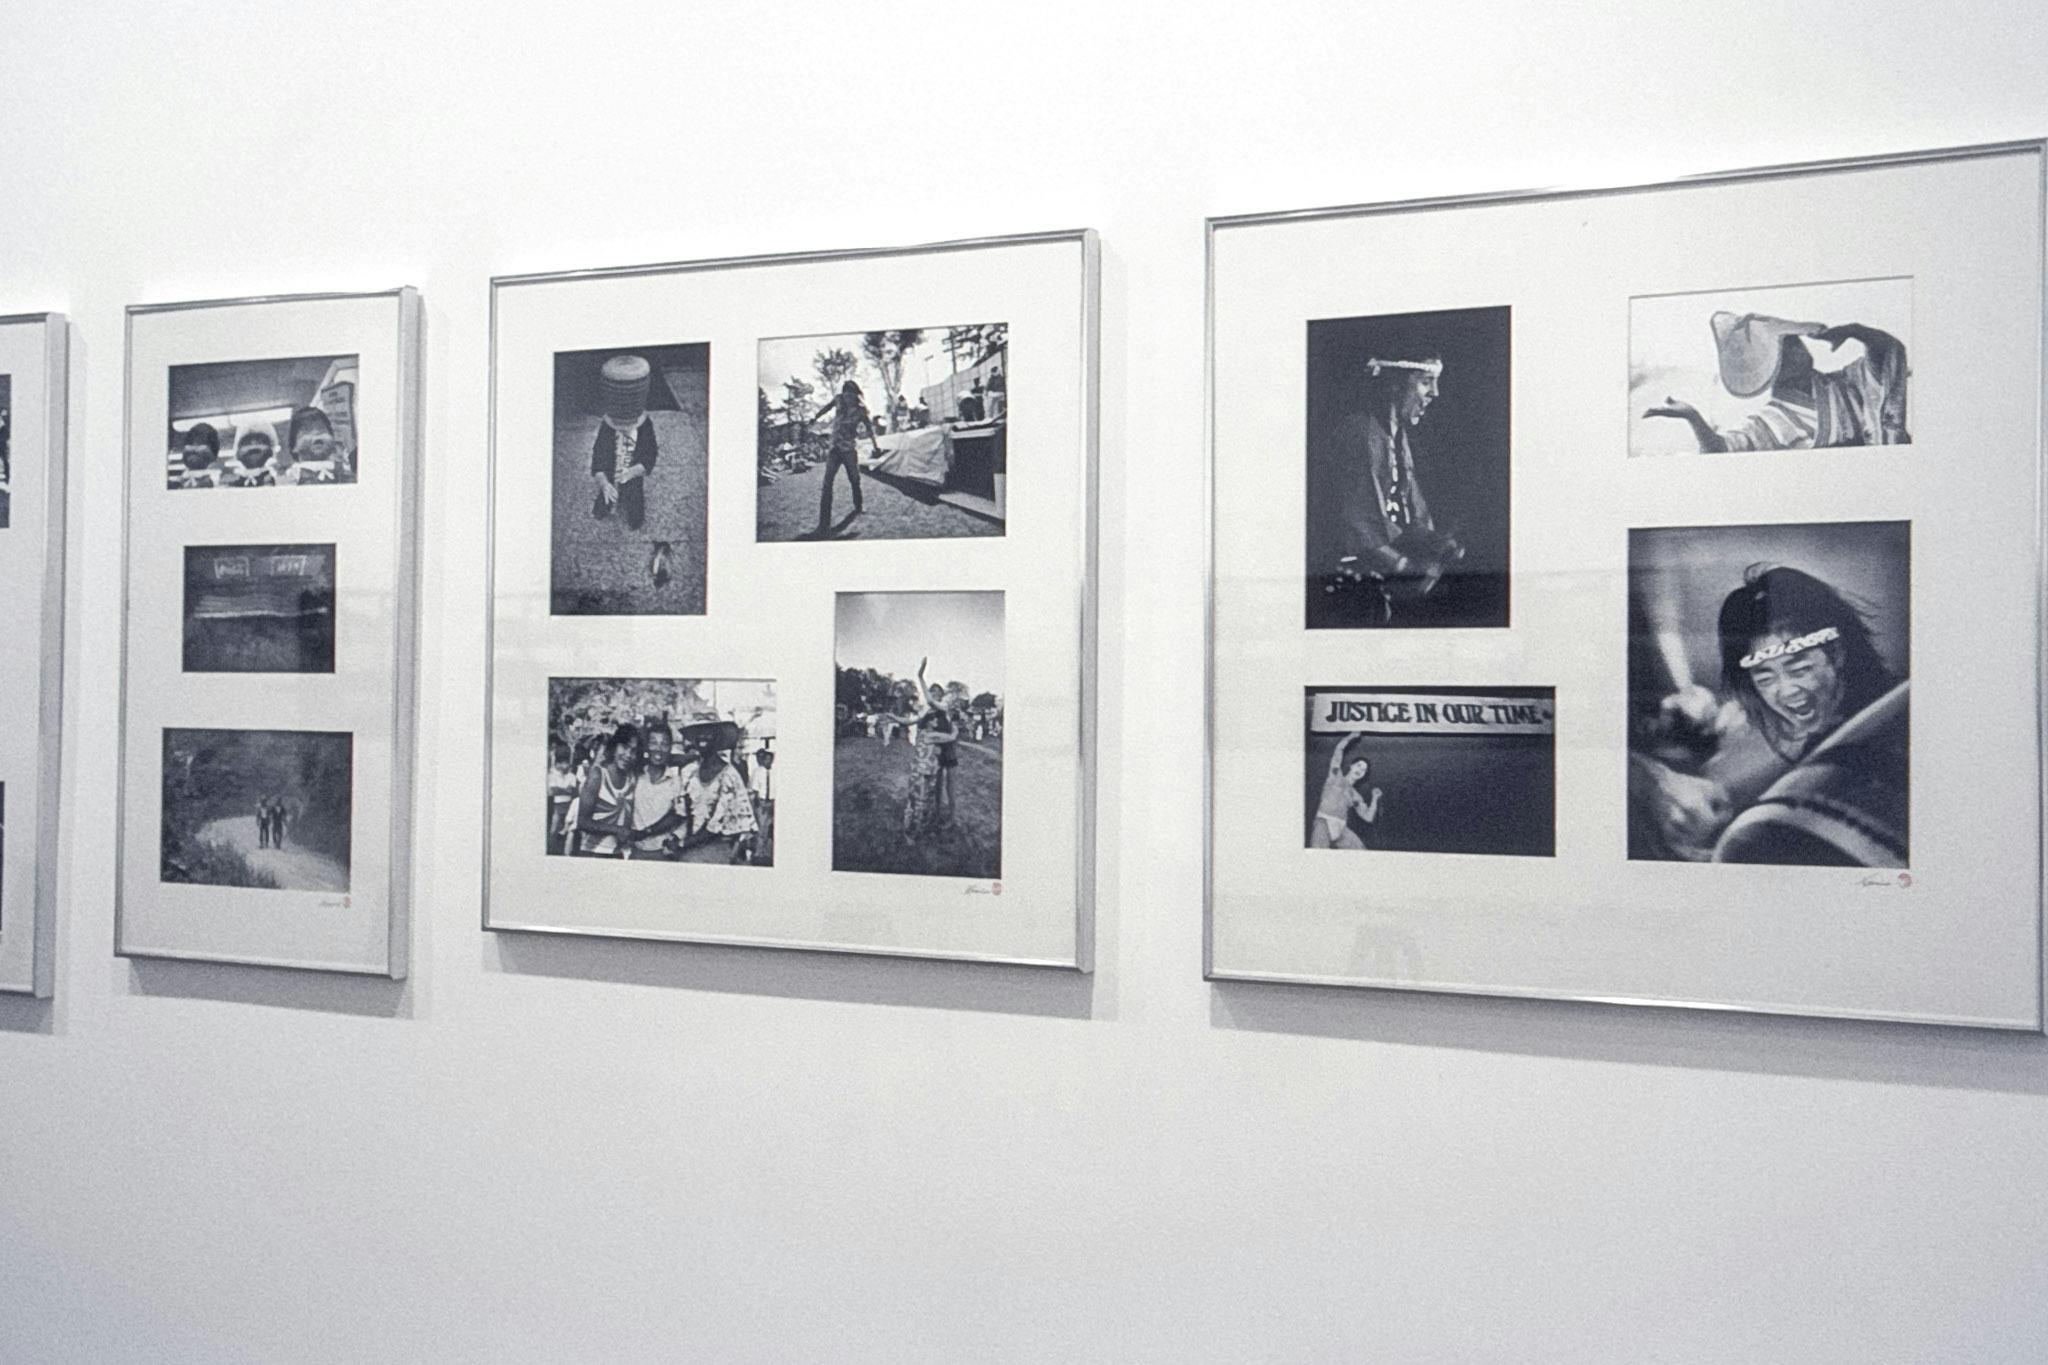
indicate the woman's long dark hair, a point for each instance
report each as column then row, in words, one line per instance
column 1775, row 600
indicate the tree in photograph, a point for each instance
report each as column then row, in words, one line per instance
column 796, row 401
column 886, row 352
column 970, row 345
column 834, row 368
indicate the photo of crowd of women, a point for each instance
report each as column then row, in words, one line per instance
column 259, row 608
column 263, row 423
column 1407, row 487
column 1797, row 367
column 913, row 420
column 631, row 456
column 676, row 770
column 1432, row 769
column 258, row 808
column 1768, row 693
column 917, row 763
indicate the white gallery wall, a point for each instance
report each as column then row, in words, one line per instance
column 541, row 1150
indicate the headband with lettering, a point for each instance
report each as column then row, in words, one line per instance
column 1791, row 646
column 1428, row 367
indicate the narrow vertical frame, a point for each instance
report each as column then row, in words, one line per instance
column 382, row 945
column 28, row 926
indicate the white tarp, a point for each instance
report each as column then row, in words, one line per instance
column 925, row 454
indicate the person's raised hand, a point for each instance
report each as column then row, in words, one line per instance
column 1672, row 407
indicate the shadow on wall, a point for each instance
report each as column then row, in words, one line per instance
column 848, row 978
column 279, row 987
column 26, row 1014
column 1707, row 1040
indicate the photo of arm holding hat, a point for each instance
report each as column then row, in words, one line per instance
column 1779, row 378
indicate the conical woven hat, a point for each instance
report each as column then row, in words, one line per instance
column 1749, row 346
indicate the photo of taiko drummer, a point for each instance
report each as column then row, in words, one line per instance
column 1776, row 730
column 1406, row 514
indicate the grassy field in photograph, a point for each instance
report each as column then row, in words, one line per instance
column 869, row 779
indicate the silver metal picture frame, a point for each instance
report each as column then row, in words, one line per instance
column 269, row 631
column 1724, row 389
column 34, row 404
column 689, row 597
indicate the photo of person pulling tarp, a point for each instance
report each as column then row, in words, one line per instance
column 914, row 422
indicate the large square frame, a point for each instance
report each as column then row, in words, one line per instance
column 372, row 518
column 1039, row 911
column 1954, row 938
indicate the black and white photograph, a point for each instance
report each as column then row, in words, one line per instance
column 263, row 423
column 259, row 608
column 890, row 435
column 6, row 426
column 631, row 464
column 258, row 808
column 267, row 702
column 917, row 763
column 1432, row 769
column 1794, row 367
column 1408, row 470
column 677, row 770
column 663, row 740
column 1768, row 694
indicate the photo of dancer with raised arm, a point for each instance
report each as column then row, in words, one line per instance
column 932, row 728
column 1341, row 798
column 932, row 805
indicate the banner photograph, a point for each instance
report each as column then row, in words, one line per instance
column 1432, row 770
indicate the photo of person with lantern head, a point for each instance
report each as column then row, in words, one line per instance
column 630, row 455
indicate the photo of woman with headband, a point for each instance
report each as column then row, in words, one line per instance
column 1768, row 694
